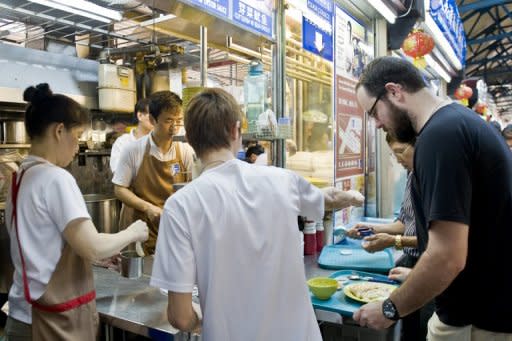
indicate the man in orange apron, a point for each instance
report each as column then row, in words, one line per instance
column 150, row 166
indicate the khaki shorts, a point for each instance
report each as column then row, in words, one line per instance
column 439, row 331
column 17, row 331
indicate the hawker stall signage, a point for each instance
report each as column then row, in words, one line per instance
column 218, row 7
column 446, row 16
column 317, row 28
column 255, row 15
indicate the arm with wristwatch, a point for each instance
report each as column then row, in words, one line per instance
column 442, row 261
column 383, row 236
column 381, row 241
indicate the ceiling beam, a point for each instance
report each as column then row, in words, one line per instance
column 492, row 76
column 479, row 5
column 490, row 60
column 490, row 38
column 72, row 24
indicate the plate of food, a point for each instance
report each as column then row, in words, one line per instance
column 368, row 291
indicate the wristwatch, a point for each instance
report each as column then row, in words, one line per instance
column 389, row 310
column 398, row 242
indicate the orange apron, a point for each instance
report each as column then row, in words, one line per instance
column 67, row 309
column 153, row 184
column 126, row 216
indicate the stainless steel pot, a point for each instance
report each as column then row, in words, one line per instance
column 131, row 264
column 14, row 132
column 104, row 211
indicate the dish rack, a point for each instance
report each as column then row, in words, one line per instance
column 269, row 131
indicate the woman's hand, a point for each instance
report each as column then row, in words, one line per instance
column 399, row 273
column 354, row 231
column 378, row 242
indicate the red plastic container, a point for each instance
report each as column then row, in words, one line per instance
column 309, row 238
column 319, row 240
column 319, row 236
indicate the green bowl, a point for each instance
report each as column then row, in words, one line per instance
column 323, row 287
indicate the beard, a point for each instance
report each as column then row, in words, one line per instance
column 402, row 128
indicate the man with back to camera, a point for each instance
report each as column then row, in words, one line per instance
column 150, row 166
column 144, row 127
column 462, row 196
column 247, row 263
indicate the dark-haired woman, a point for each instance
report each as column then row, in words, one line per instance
column 53, row 239
column 507, row 134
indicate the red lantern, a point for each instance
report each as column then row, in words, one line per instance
column 417, row 45
column 463, row 93
column 481, row 108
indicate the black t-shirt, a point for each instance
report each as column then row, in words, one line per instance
column 463, row 173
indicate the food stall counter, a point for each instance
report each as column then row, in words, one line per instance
column 134, row 306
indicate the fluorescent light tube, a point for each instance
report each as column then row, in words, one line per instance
column 157, row 20
column 384, row 10
column 438, row 68
column 65, row 6
column 71, row 10
column 91, row 8
column 440, row 39
column 440, row 58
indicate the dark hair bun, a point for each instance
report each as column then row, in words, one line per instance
column 37, row 94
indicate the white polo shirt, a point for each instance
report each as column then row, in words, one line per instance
column 233, row 231
column 118, row 147
column 132, row 156
column 48, row 200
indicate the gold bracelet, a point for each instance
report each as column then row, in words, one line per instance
column 398, row 242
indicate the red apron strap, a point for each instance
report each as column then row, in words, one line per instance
column 56, row 308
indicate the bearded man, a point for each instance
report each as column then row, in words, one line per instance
column 462, row 197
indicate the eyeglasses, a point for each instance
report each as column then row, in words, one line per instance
column 371, row 112
column 399, row 154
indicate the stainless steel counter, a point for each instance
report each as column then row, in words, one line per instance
column 134, row 306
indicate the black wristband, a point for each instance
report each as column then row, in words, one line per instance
column 389, row 310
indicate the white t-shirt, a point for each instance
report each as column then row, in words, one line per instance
column 133, row 154
column 48, row 200
column 118, row 147
column 233, row 231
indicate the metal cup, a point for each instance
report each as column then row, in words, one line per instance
column 131, row 264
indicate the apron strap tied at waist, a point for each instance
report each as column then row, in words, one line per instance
column 55, row 308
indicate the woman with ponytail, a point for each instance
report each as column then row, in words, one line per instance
column 53, row 240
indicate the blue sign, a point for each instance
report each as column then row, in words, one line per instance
column 324, row 8
column 316, row 40
column 218, row 7
column 254, row 14
column 446, row 16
